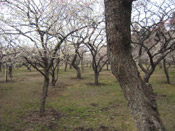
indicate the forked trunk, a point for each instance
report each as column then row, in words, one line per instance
column 148, row 75
column 44, row 93
column 139, row 95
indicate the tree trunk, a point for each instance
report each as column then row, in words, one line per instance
column 0, row 67
column 44, row 93
column 53, row 78
column 148, row 74
column 96, row 79
column 6, row 79
column 75, row 66
column 28, row 68
column 139, row 95
column 65, row 68
column 10, row 71
column 166, row 71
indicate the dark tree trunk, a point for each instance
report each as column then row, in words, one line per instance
column 65, row 68
column 6, row 79
column 0, row 67
column 75, row 66
column 96, row 79
column 10, row 71
column 139, row 95
column 166, row 71
column 44, row 92
column 53, row 78
column 148, row 75
column 28, row 68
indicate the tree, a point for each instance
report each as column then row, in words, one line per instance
column 45, row 26
column 8, row 52
column 96, row 45
column 66, row 54
column 139, row 95
column 152, row 40
column 76, row 41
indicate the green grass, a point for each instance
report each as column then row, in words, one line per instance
column 82, row 106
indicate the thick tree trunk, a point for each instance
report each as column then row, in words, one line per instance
column 96, row 79
column 44, row 93
column 75, row 66
column 166, row 71
column 139, row 95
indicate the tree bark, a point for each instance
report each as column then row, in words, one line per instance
column 148, row 75
column 75, row 66
column 139, row 95
column 53, row 78
column 96, row 79
column 0, row 67
column 10, row 71
column 65, row 68
column 6, row 79
column 44, row 92
column 166, row 71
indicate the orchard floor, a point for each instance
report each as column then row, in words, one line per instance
column 76, row 105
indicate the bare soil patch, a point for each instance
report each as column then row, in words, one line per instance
column 48, row 121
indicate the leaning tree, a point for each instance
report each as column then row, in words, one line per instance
column 139, row 95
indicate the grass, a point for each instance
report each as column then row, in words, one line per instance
column 74, row 104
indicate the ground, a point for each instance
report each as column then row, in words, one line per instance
column 76, row 105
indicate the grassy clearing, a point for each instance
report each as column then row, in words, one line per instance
column 74, row 104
